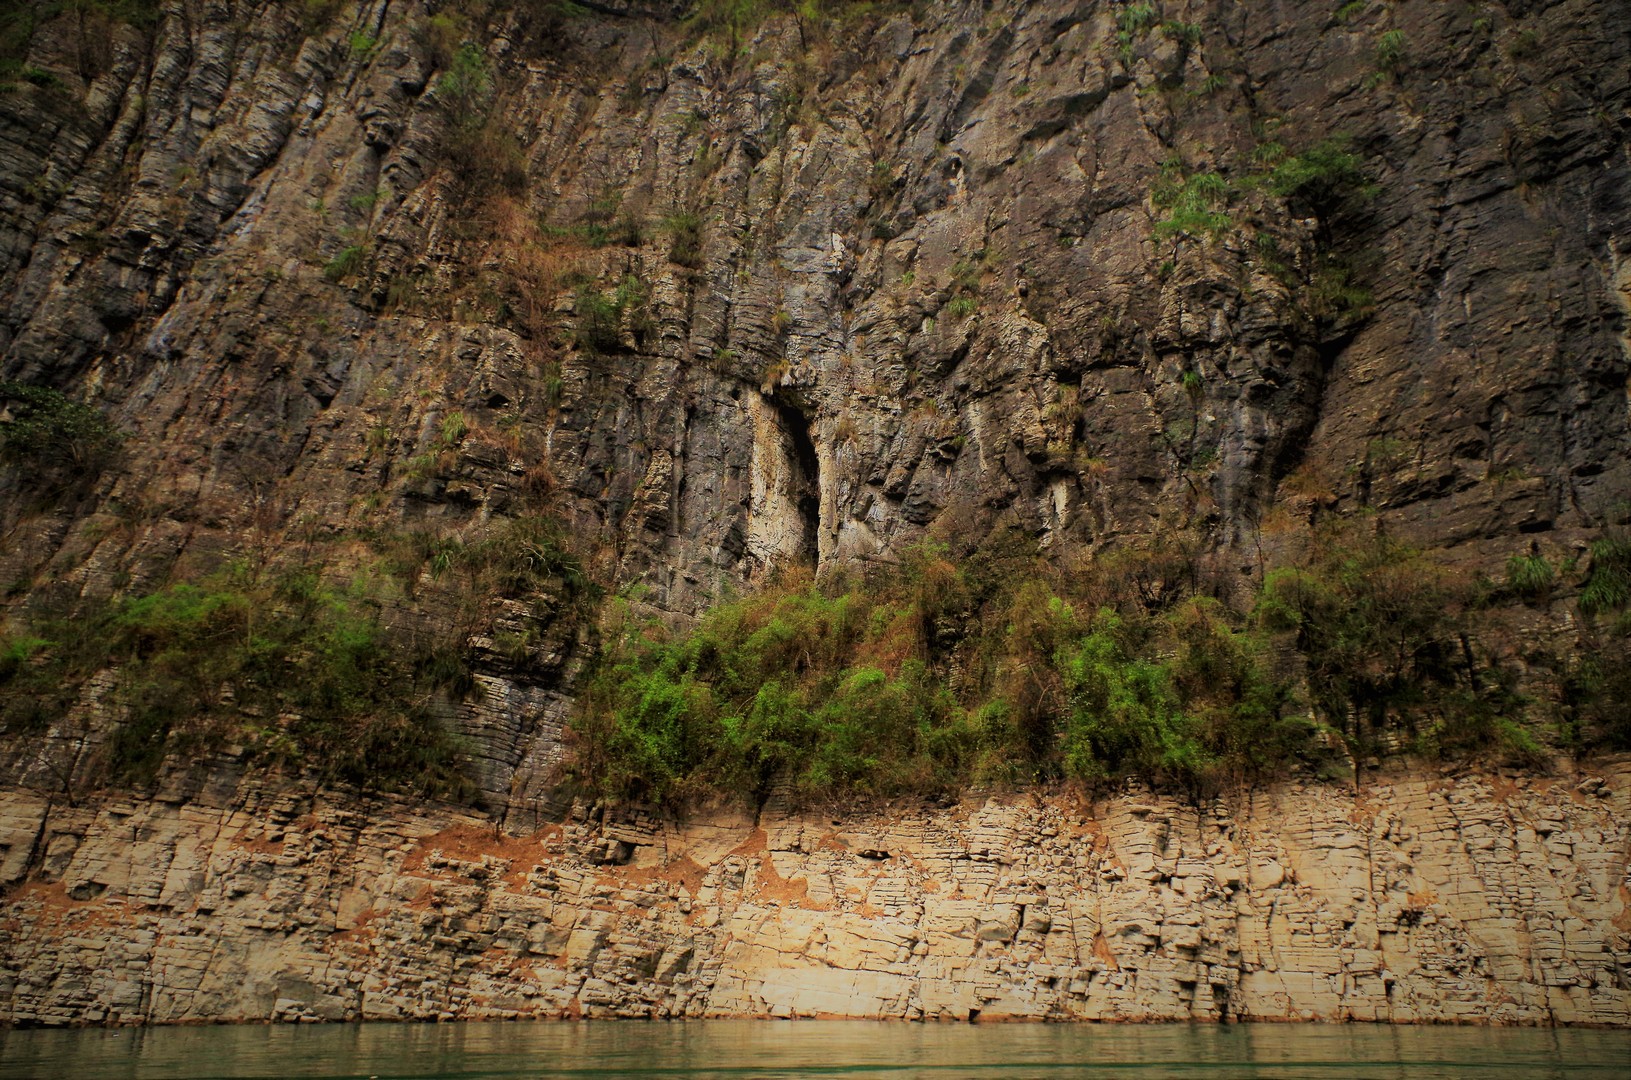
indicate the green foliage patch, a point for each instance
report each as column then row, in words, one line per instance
column 1530, row 576
column 296, row 665
column 50, row 438
column 1196, row 204
column 1608, row 583
column 934, row 677
column 350, row 261
column 1133, row 21
column 297, row 669
column 1320, row 178
column 685, row 228
column 602, row 315
column 1003, row 670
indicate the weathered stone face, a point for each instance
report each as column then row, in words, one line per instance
column 1423, row 898
column 894, row 276
column 808, row 297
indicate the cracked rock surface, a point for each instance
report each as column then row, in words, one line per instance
column 1423, row 898
column 897, row 275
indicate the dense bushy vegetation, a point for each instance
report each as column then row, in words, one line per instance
column 295, row 669
column 1004, row 670
column 315, row 672
column 1594, row 682
column 94, row 23
column 51, row 438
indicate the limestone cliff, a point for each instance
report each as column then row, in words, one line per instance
column 729, row 296
column 722, row 294
column 899, row 271
column 1423, row 898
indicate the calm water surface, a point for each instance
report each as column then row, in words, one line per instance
column 745, row 1049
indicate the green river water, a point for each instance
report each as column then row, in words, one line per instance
column 748, row 1048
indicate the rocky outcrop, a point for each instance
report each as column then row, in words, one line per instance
column 887, row 274
column 804, row 291
column 1426, row 897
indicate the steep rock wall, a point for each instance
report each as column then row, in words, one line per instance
column 805, row 295
column 853, row 286
column 1425, row 897
column 894, row 275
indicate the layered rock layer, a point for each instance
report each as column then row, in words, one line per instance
column 1426, row 897
column 806, row 292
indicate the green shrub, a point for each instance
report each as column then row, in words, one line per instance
column 520, row 555
column 1194, row 203
column 483, row 155
column 1608, row 581
column 824, row 692
column 1185, row 33
column 1390, row 55
column 686, row 230
column 452, row 430
column 602, row 316
column 940, row 674
column 94, row 22
column 50, row 438
column 1226, row 674
column 195, row 664
column 599, row 321
column 350, row 262
column 1381, row 628
column 1594, row 691
column 465, row 86
column 1335, row 296
column 1124, row 715
column 1530, row 576
column 1320, row 178
column 17, row 22
column 1132, row 22
column 16, row 652
column 827, row 692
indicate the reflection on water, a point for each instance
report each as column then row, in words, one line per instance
column 748, row 1048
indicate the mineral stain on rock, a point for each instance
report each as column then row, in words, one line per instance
column 1441, row 901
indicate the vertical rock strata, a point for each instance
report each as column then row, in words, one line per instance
column 1423, row 898
column 806, row 294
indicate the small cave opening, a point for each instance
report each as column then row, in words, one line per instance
column 805, row 483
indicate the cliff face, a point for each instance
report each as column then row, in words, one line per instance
column 881, row 276
column 805, row 290
column 1422, row 898
column 802, row 291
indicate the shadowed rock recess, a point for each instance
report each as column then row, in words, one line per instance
column 352, row 354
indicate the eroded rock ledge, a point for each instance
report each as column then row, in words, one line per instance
column 1424, row 897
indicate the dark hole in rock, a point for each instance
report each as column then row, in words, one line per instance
column 806, row 486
